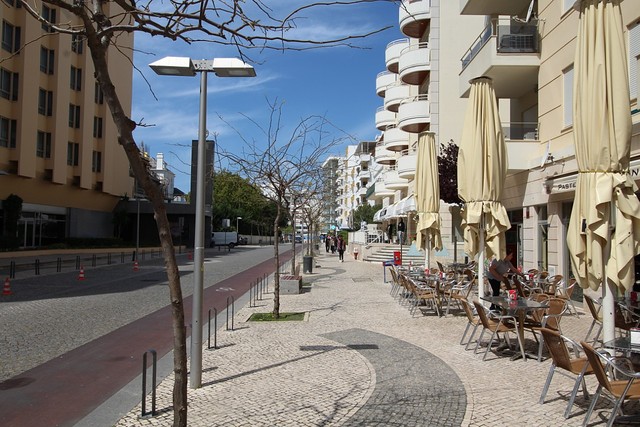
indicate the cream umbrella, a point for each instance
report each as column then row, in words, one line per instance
column 602, row 138
column 427, row 196
column 482, row 170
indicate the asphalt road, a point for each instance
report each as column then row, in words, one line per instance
column 62, row 333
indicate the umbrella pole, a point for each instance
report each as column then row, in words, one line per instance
column 481, row 257
column 609, row 292
column 427, row 259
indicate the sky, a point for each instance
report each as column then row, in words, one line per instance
column 338, row 83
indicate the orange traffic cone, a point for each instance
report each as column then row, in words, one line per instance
column 81, row 275
column 7, row 287
column 135, row 265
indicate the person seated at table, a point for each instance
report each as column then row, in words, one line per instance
column 497, row 274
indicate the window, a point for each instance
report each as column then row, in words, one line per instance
column 567, row 109
column 8, row 85
column 97, row 127
column 96, row 163
column 45, row 102
column 10, row 37
column 8, row 132
column 74, row 116
column 49, row 15
column 43, row 145
column 73, row 153
column 77, row 43
column 46, row 60
column 99, row 95
column 76, row 78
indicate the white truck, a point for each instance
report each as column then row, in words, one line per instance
column 226, row 238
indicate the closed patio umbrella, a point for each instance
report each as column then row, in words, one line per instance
column 602, row 137
column 427, row 196
column 482, row 170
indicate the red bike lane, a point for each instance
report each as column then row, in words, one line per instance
column 64, row 390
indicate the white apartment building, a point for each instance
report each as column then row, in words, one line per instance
column 535, row 87
column 420, row 92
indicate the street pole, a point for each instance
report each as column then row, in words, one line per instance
column 198, row 256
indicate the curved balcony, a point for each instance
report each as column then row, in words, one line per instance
column 384, row 118
column 414, row 17
column 384, row 80
column 381, row 189
column 395, row 94
column 414, row 115
column 395, row 139
column 406, row 165
column 393, row 182
column 415, row 63
column 392, row 54
column 364, row 175
column 365, row 158
column 384, row 156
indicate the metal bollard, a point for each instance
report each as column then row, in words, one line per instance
column 37, row 267
column 58, row 265
column 215, row 328
column 153, row 383
column 233, row 311
column 12, row 270
column 77, row 262
column 93, row 260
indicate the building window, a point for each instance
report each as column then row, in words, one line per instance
column 8, row 132
column 567, row 108
column 73, row 153
column 99, row 95
column 74, row 116
column 47, row 57
column 76, row 78
column 96, row 163
column 10, row 37
column 43, row 145
column 49, row 16
column 8, row 85
column 77, row 43
column 45, row 102
column 97, row 127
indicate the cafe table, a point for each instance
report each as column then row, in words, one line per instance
column 623, row 345
column 518, row 308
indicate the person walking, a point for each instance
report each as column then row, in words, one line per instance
column 327, row 242
column 401, row 229
column 341, row 246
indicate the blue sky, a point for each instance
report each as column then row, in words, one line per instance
column 338, row 83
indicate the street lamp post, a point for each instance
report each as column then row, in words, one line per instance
column 237, row 224
column 222, row 67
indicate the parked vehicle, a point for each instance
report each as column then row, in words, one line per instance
column 227, row 238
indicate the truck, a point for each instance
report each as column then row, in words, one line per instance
column 226, row 238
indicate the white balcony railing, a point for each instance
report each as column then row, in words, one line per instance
column 415, row 63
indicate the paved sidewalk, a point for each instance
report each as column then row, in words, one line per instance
column 361, row 359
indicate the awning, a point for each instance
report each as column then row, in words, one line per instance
column 406, row 205
column 379, row 216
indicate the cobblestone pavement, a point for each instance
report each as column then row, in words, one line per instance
column 361, row 359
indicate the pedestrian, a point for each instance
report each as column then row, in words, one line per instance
column 390, row 232
column 333, row 244
column 341, row 246
column 401, row 230
column 355, row 253
column 496, row 274
column 327, row 242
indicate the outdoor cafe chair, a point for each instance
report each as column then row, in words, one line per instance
column 624, row 319
column 395, row 284
column 618, row 391
column 551, row 317
column 552, row 283
column 423, row 292
column 563, row 363
column 565, row 291
column 500, row 324
column 458, row 292
column 472, row 321
column 596, row 318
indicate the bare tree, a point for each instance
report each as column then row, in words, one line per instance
column 244, row 24
column 281, row 165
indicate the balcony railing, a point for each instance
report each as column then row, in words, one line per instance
column 520, row 131
column 512, row 37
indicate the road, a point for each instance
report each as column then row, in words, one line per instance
column 68, row 340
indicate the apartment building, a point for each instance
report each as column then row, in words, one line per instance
column 528, row 49
column 420, row 92
column 58, row 145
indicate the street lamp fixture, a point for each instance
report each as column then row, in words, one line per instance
column 221, row 67
column 237, row 224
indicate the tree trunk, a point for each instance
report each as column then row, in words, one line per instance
column 141, row 171
column 276, row 276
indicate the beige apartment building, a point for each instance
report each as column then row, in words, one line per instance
column 58, row 144
column 538, row 87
